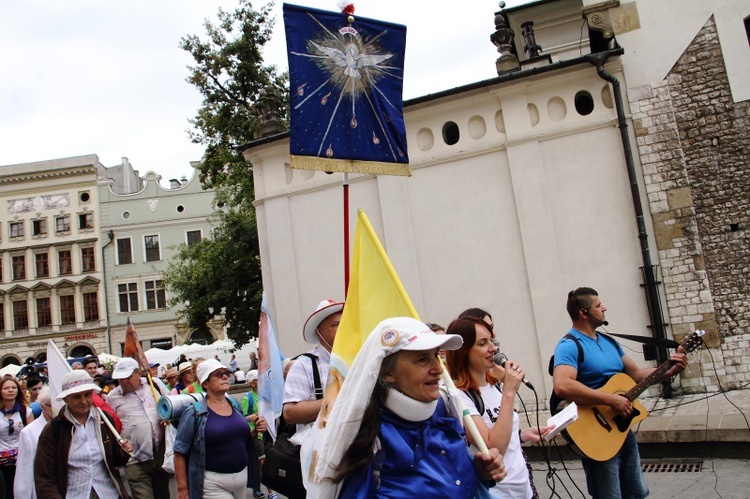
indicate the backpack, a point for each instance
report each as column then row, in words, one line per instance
column 557, row 403
column 476, row 397
column 282, row 469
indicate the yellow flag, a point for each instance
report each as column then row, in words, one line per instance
column 375, row 293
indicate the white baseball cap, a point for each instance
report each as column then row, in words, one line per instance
column 124, row 368
column 407, row 333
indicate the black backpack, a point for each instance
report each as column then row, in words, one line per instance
column 282, row 469
column 557, row 403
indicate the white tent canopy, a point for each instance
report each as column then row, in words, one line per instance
column 223, row 348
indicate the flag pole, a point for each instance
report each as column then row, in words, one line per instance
column 346, row 234
column 466, row 419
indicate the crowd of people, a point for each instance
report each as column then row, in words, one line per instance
column 394, row 429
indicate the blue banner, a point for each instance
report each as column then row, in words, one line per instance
column 346, row 84
column 270, row 374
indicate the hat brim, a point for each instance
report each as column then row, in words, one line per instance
column 123, row 374
column 441, row 341
column 312, row 322
column 78, row 389
column 209, row 366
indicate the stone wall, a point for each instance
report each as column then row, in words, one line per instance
column 693, row 145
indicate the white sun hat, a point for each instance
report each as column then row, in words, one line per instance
column 206, row 367
column 75, row 382
column 325, row 309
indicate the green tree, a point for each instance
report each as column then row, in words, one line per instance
column 221, row 273
column 239, row 93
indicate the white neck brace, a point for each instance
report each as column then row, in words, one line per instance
column 408, row 408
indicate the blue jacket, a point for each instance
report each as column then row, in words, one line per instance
column 430, row 457
column 192, row 444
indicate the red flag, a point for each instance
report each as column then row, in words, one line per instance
column 133, row 347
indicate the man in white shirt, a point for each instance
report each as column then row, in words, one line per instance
column 301, row 402
column 134, row 403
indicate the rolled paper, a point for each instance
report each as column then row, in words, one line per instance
column 171, row 407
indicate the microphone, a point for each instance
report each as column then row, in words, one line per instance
column 601, row 322
column 500, row 359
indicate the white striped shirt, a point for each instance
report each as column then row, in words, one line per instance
column 299, row 385
column 86, row 466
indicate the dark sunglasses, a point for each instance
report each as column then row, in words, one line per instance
column 11, row 428
column 221, row 373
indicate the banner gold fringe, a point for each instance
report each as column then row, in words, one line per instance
column 349, row 166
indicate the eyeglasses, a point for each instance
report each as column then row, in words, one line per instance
column 221, row 374
column 11, row 428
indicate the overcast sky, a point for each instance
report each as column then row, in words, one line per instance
column 107, row 77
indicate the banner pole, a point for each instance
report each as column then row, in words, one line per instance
column 346, row 234
column 465, row 417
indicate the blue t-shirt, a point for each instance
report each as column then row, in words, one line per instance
column 226, row 436
column 602, row 358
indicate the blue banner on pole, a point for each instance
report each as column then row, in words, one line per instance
column 346, row 83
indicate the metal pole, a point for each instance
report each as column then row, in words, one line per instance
column 346, row 234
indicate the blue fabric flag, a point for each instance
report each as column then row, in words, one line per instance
column 346, row 84
column 270, row 374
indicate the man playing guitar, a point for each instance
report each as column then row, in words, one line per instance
column 620, row 476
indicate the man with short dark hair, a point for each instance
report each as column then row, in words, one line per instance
column 134, row 403
column 91, row 365
column 620, row 476
column 34, row 385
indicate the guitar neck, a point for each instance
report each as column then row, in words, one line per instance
column 649, row 380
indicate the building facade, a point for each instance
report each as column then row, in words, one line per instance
column 620, row 149
column 52, row 274
column 82, row 247
column 142, row 231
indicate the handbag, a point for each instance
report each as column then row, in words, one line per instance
column 282, row 469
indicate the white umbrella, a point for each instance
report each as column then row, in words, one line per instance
column 11, row 369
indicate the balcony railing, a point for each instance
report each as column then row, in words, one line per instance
column 58, row 328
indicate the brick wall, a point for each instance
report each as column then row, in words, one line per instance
column 693, row 144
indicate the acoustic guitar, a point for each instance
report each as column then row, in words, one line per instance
column 599, row 431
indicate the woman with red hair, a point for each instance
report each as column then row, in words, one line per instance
column 488, row 393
